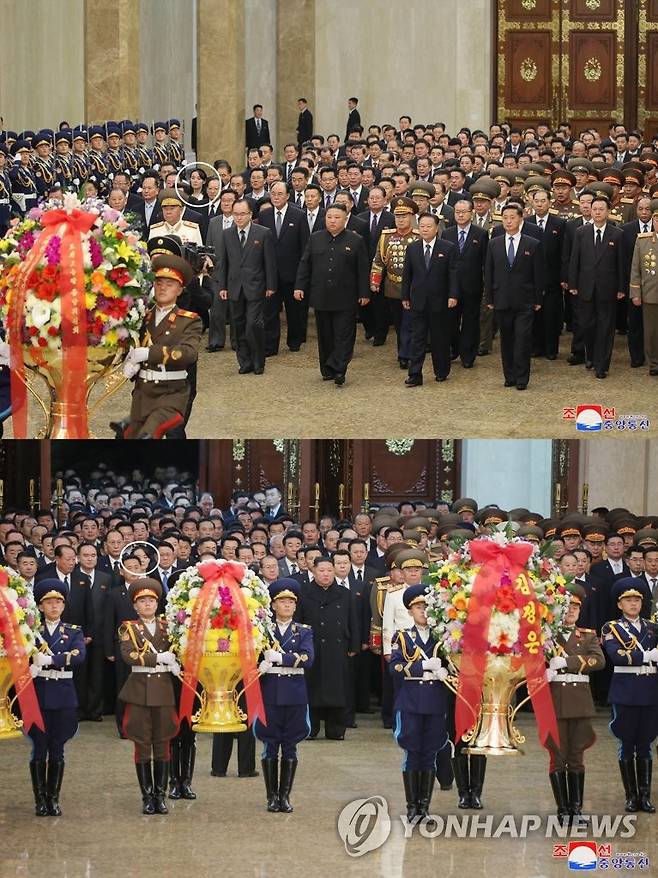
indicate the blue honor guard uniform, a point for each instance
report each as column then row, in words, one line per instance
column 630, row 643
column 63, row 647
column 285, row 698
column 420, row 707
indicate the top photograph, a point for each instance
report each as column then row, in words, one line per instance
column 257, row 218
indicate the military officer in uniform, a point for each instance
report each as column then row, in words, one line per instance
column 62, row 648
column 23, row 182
column 64, row 167
column 577, row 655
column 644, row 287
column 150, row 719
column 43, row 164
column 393, row 581
column 173, row 223
column 284, row 695
column 170, row 346
column 484, row 193
column 420, row 704
column 175, row 149
column 631, row 645
column 159, row 153
column 387, row 267
column 5, row 191
column 97, row 163
column 564, row 204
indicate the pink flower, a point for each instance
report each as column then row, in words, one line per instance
column 95, row 252
column 29, row 620
column 181, row 616
column 223, row 645
column 22, row 602
column 53, row 251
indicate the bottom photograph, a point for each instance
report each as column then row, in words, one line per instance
column 390, row 650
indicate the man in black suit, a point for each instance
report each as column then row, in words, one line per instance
column 149, row 211
column 577, row 356
column 353, row 116
column 290, row 233
column 91, row 698
column 110, row 561
column 357, row 189
column 304, row 122
column 354, row 223
column 548, row 321
column 119, row 609
column 247, row 276
column 513, row 287
column 375, row 317
column 596, row 278
column 334, row 274
column 635, row 328
column 219, row 308
column 291, row 161
column 471, row 242
column 429, row 289
column 458, row 190
column 606, row 573
column 257, row 129
column 514, row 145
column 79, row 610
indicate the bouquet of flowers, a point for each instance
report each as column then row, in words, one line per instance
column 223, row 616
column 17, row 597
column 116, row 271
column 452, row 583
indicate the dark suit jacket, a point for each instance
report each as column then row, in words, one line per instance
column 435, row 286
column 453, row 197
column 630, row 231
column 106, row 565
column 355, row 224
column 386, row 221
column 527, row 228
column 447, row 213
column 319, row 220
column 252, row 138
column 289, row 246
column 553, row 242
column 79, row 609
column 603, row 273
column 353, row 120
column 251, row 269
column 602, row 573
column 471, row 261
column 519, row 286
column 567, row 245
column 156, row 216
column 99, row 591
column 362, row 202
column 304, row 126
column 334, row 272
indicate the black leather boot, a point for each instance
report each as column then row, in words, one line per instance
column 145, row 779
column 477, row 769
column 425, row 787
column 187, row 760
column 410, row 780
column 559, row 786
column 627, row 769
column 119, row 428
column 288, row 769
column 175, row 770
column 38, row 775
column 160, row 773
column 575, row 785
column 460, row 767
column 53, row 786
column 271, row 774
column 643, row 768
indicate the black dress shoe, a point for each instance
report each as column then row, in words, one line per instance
column 575, row 360
column 259, row 371
column 378, row 342
column 339, row 380
column 551, row 356
column 653, row 371
column 271, row 354
column 218, row 774
column 637, row 365
column 521, row 386
column 440, row 377
column 244, row 370
column 249, row 774
column 510, row 384
column 589, row 364
column 328, row 377
column 483, row 353
column 413, row 380
column 294, row 348
column 213, row 348
column 404, row 364
column 600, row 374
column 468, row 365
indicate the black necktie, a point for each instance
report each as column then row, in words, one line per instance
column 462, row 238
column 598, row 243
column 299, row 199
column 359, row 576
column 540, row 223
column 67, row 583
column 373, row 226
column 243, row 238
column 428, row 255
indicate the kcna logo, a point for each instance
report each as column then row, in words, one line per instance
column 364, row 825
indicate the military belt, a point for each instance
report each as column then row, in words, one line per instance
column 285, row 672
column 47, row 674
column 571, row 678
column 637, row 670
column 4, row 201
column 158, row 669
column 154, row 375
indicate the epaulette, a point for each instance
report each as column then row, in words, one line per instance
column 645, row 235
column 396, row 587
column 301, row 625
column 587, row 630
column 156, row 225
column 554, row 211
column 574, row 201
column 628, row 201
column 190, row 223
column 388, row 231
column 71, row 626
column 190, row 314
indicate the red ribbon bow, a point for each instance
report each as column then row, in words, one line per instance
column 229, row 575
column 70, row 227
column 18, row 661
column 497, row 561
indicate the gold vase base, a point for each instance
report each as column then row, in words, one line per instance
column 493, row 751
column 219, row 728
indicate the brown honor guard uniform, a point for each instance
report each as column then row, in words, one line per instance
column 578, row 654
column 150, row 720
column 170, row 346
column 644, row 288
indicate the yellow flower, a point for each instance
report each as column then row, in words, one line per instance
column 90, row 301
column 124, row 251
column 111, row 337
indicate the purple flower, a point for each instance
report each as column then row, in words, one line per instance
column 29, row 620
column 223, row 645
column 95, row 251
column 22, row 602
column 181, row 616
column 53, row 251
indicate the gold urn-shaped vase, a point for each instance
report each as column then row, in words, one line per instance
column 494, row 733
column 220, row 673
column 102, row 362
column 10, row 725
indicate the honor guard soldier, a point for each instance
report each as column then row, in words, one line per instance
column 62, row 649
column 144, row 158
column 64, row 167
column 159, row 154
column 23, row 182
column 631, row 644
column 644, row 287
column 97, row 163
column 175, row 149
column 43, row 163
column 284, row 695
column 378, row 596
column 387, row 266
column 577, row 655
column 114, row 154
column 420, row 705
column 564, row 204
column 5, row 191
column 174, row 224
column 170, row 346
column 150, row 719
column 79, row 157
column 131, row 162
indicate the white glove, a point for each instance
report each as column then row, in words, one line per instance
column 166, row 658
column 34, row 670
column 174, row 667
column 557, row 662
column 130, row 367
column 432, row 664
column 43, row 660
column 441, row 674
column 550, row 675
column 651, row 655
column 271, row 655
column 4, row 353
column 264, row 666
column 140, row 355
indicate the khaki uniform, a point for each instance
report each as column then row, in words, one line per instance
column 628, row 209
column 187, row 231
column 388, row 263
column 568, row 211
column 161, row 388
column 574, row 707
column 150, row 719
column 644, row 283
column 378, row 592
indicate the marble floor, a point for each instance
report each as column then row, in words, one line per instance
column 102, row 833
column 290, row 398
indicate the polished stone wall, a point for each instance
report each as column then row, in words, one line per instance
column 620, row 473
column 260, row 60
column 112, row 62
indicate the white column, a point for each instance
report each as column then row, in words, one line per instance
column 260, row 61
column 508, row 472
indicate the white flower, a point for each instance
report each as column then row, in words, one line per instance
column 70, row 202
column 194, row 592
column 40, row 313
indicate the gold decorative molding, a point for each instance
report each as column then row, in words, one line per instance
column 400, row 447
column 592, row 70
column 593, row 4
column 529, row 4
column 239, row 449
column 528, row 69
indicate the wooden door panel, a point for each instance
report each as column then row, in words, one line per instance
column 593, row 10
column 592, row 70
column 528, row 79
column 528, row 10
